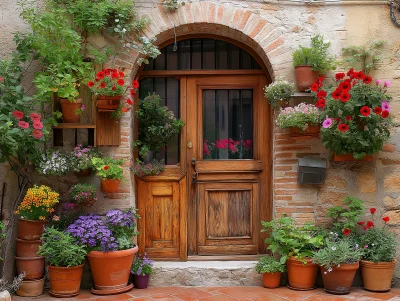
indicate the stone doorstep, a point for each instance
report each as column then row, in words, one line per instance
column 205, row 273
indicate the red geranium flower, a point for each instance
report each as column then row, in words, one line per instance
column 115, row 74
column 367, row 80
column 23, row 124
column 100, row 75
column 349, row 118
column 345, row 85
column 386, row 219
column 129, row 101
column 132, row 92
column 37, row 125
column 365, row 111
column 345, row 97
column 135, row 84
column 377, row 110
column 340, row 75
column 346, row 231
column 37, row 134
column 385, row 114
column 90, row 84
column 18, row 114
column 114, row 88
column 359, row 75
column 106, row 167
column 361, row 223
column 314, row 87
column 34, row 116
column 336, row 94
column 372, row 210
column 103, row 85
column 343, row 127
column 321, row 94
column 121, row 82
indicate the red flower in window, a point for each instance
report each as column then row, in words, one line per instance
column 321, row 94
column 346, row 231
column 385, row 114
column 37, row 134
column 345, row 97
column 372, row 210
column 34, row 116
column 314, row 87
column 377, row 110
column 386, row 219
column 370, row 224
column 336, row 94
column 340, row 75
column 121, row 82
column 343, row 127
column 367, row 80
column 365, row 111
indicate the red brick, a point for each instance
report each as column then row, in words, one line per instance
column 291, row 174
column 244, row 19
column 286, row 186
column 282, row 167
column 204, row 12
column 283, row 136
column 278, row 42
column 220, row 14
column 257, row 28
column 282, row 161
column 294, row 210
column 236, row 17
column 188, row 11
column 294, row 148
column 285, row 192
column 284, row 141
column 283, row 197
column 211, row 13
column 285, row 180
column 283, row 155
column 385, row 161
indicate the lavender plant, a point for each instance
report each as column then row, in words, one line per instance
column 142, row 265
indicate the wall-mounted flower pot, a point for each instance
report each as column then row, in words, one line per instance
column 65, row 282
column 272, row 280
column 311, row 129
column 377, row 276
column 305, row 77
column 141, row 281
column 108, row 103
column 109, row 185
column 68, row 109
column 31, row 288
column 349, row 157
column 27, row 248
column 301, row 275
column 32, row 266
column 30, row 229
column 339, row 280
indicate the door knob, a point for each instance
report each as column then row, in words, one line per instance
column 190, row 144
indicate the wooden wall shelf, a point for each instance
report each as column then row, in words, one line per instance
column 75, row 126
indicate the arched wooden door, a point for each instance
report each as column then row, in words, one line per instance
column 216, row 189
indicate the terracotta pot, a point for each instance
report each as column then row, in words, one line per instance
column 370, row 271
column 141, row 281
column 110, row 185
column 305, row 77
column 27, row 248
column 30, row 229
column 312, row 129
column 340, row 279
column 31, row 288
column 272, row 280
column 68, row 110
column 111, row 270
column 65, row 282
column 108, row 102
column 32, row 266
column 83, row 173
column 301, row 276
column 349, row 157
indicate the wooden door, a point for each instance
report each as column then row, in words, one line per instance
column 228, row 149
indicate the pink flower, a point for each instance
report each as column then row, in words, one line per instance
column 385, row 106
column 37, row 134
column 23, row 124
column 83, row 107
column 378, row 81
column 387, row 84
column 1, row 79
column 37, row 125
column 327, row 123
column 35, row 116
column 18, row 114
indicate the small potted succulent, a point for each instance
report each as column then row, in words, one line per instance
column 65, row 259
column 271, row 269
column 110, row 171
column 84, row 195
column 279, row 92
column 81, row 160
column 141, row 269
column 301, row 119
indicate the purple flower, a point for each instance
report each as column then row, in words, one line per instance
column 378, row 82
column 385, row 106
column 327, row 123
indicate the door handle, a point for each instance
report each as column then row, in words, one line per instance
column 190, row 144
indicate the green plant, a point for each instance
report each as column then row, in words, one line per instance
column 365, row 57
column 279, row 92
column 67, row 214
column 55, row 163
column 142, row 265
column 287, row 239
column 173, row 5
column 357, row 114
column 316, row 56
column 269, row 264
column 60, row 249
column 80, row 158
column 109, row 168
column 157, row 125
column 300, row 116
column 84, row 195
column 141, row 169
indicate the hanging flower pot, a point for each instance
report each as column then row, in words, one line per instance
column 31, row 288
column 311, row 129
column 141, row 281
column 110, row 103
column 32, row 266
column 305, row 77
column 301, row 274
column 110, row 185
column 369, row 272
column 27, row 248
column 65, row 281
column 272, row 280
column 350, row 157
column 69, row 108
column 30, row 229
column 339, row 280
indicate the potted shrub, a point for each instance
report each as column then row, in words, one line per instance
column 81, row 160
column 279, row 92
column 339, row 262
column 295, row 245
column 141, row 269
column 153, row 168
column 84, row 195
column 65, row 259
column 271, row 270
column 310, row 62
column 111, row 248
column 379, row 257
column 110, row 171
column 301, row 119
column 357, row 122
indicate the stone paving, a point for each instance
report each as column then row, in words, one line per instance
column 242, row 293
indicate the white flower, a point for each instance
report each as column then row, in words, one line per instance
column 116, row 20
column 124, row 30
column 334, row 248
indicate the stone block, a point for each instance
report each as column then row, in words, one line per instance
column 391, row 203
column 394, row 216
column 366, row 182
column 392, row 182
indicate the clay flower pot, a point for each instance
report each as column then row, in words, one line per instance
column 68, row 110
column 32, row 266
column 108, row 102
column 27, row 248
column 311, row 129
column 141, row 281
column 301, row 276
column 349, row 157
column 65, row 282
column 83, row 173
column 111, row 270
column 340, row 279
column 272, row 280
column 305, row 77
column 377, row 276
column 30, row 229
column 31, row 288
column 110, row 185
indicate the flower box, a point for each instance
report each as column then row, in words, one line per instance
column 349, row 157
column 108, row 102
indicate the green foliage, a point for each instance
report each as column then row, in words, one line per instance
column 365, row 57
column 337, row 251
column 316, row 56
column 279, row 92
column 269, row 264
column 300, row 116
column 142, row 265
column 83, row 194
column 346, row 215
column 141, row 169
column 109, row 168
column 379, row 244
column 287, row 239
column 60, row 249
column 173, row 5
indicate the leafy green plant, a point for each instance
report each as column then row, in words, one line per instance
column 109, row 168
column 60, row 249
column 83, row 194
column 173, row 5
column 279, row 92
column 141, row 169
column 80, row 158
column 269, row 264
column 316, row 56
column 365, row 57
column 288, row 239
column 301, row 116
column 142, row 265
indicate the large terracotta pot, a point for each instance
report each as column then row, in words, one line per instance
column 30, row 229
column 108, row 102
column 377, row 276
column 31, row 288
column 301, row 276
column 27, row 248
column 141, row 281
column 312, row 129
column 111, row 270
column 110, row 185
column 349, row 157
column 340, row 279
column 68, row 110
column 65, row 282
column 272, row 280
column 305, row 77
column 32, row 266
